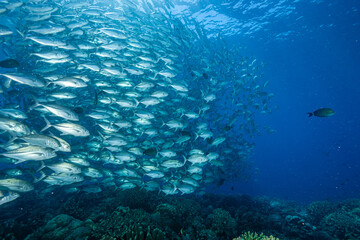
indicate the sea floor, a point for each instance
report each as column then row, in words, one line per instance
column 137, row 214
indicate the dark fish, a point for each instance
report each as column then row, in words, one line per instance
column 205, row 76
column 9, row 63
column 185, row 133
column 78, row 110
column 96, row 99
column 150, row 152
column 322, row 112
column 227, row 128
column 220, row 182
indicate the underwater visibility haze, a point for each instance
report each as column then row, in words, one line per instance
column 184, row 119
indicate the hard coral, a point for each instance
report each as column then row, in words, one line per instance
column 119, row 222
column 138, row 232
column 318, row 210
column 254, row 236
column 63, row 227
column 297, row 227
column 222, row 223
column 342, row 224
column 350, row 204
column 125, row 223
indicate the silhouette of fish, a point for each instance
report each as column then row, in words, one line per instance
column 9, row 63
column 322, row 112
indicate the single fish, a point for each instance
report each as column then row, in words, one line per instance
column 14, row 127
column 42, row 141
column 68, row 129
column 9, row 63
column 60, row 111
column 8, row 197
column 30, row 153
column 25, row 79
column 14, row 113
column 17, row 185
column 322, row 112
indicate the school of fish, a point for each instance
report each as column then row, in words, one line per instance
column 120, row 94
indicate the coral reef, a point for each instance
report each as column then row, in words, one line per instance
column 123, row 222
column 318, row 210
column 255, row 236
column 297, row 227
column 222, row 224
column 137, row 214
column 137, row 232
column 62, row 227
column 342, row 224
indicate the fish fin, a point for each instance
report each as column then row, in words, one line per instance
column 2, row 132
column 12, row 139
column 7, row 83
column 202, row 94
column 21, row 34
column 20, row 161
column 36, row 104
column 142, row 185
column 102, row 136
column 185, row 160
column 33, row 132
column 41, row 167
column 310, row 114
column 48, row 125
column 42, row 176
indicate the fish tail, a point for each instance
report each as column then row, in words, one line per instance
column 36, row 103
column 102, row 136
column 7, row 83
column 310, row 114
column 20, row 161
column 41, row 167
column 48, row 125
column 185, row 160
column 42, row 176
column 21, row 33
column 137, row 103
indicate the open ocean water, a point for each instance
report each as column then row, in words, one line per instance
column 194, row 119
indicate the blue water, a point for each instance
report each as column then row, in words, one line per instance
column 311, row 54
column 312, row 59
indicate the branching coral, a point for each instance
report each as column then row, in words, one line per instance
column 350, row 204
column 222, row 223
column 255, row 236
column 63, row 227
column 297, row 227
column 342, row 224
column 139, row 233
column 318, row 210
